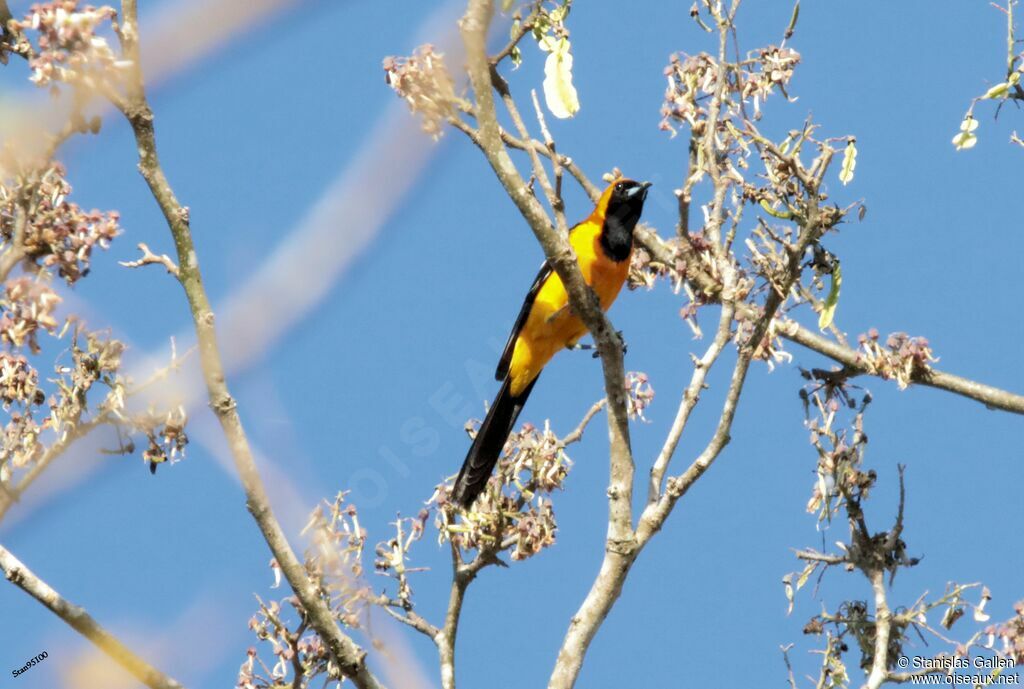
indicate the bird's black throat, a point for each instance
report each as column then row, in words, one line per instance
column 617, row 237
column 621, row 216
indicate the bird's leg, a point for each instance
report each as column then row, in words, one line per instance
column 577, row 346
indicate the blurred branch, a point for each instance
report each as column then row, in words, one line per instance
column 16, row 251
column 77, row 431
column 79, row 620
column 11, row 41
column 350, row 657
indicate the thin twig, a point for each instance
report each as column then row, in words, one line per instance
column 524, row 28
column 815, row 556
column 691, row 395
column 549, row 141
column 577, row 434
column 148, row 258
column 789, row 666
column 401, row 612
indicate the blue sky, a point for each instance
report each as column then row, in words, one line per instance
column 257, row 134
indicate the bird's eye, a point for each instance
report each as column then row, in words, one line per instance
column 620, row 186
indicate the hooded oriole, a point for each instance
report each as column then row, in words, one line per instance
column 603, row 244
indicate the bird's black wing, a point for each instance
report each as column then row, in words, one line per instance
column 510, row 346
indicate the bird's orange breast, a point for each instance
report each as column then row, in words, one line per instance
column 551, row 326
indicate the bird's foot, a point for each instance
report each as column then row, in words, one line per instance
column 592, row 347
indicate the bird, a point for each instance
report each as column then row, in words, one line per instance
column 603, row 244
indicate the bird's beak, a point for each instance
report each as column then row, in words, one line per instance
column 640, row 191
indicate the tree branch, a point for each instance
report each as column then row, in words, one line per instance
column 691, row 395
column 788, row 329
column 79, row 620
column 620, row 542
column 582, row 300
column 883, row 627
column 350, row 657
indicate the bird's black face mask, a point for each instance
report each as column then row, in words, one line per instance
column 624, row 209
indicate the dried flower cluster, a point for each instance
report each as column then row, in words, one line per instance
column 693, row 78
column 164, row 433
column 423, row 81
column 23, row 440
column 54, row 232
column 771, row 68
column 1010, row 635
column 18, row 381
column 27, row 308
column 514, row 511
column 335, row 557
column 70, row 47
column 299, row 655
column 690, row 79
column 840, row 448
column 393, row 555
column 52, row 237
column 902, row 357
column 334, row 564
column 639, row 394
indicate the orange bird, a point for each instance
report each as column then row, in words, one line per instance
column 603, row 244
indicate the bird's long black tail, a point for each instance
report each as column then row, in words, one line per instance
column 489, row 442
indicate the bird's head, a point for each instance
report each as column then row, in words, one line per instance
column 623, row 202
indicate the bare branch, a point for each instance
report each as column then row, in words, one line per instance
column 883, row 628
column 990, row 396
column 577, row 434
column 691, row 395
column 814, row 556
column 148, row 257
column 549, row 141
column 406, row 616
column 83, row 623
column 789, row 666
column 462, row 576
